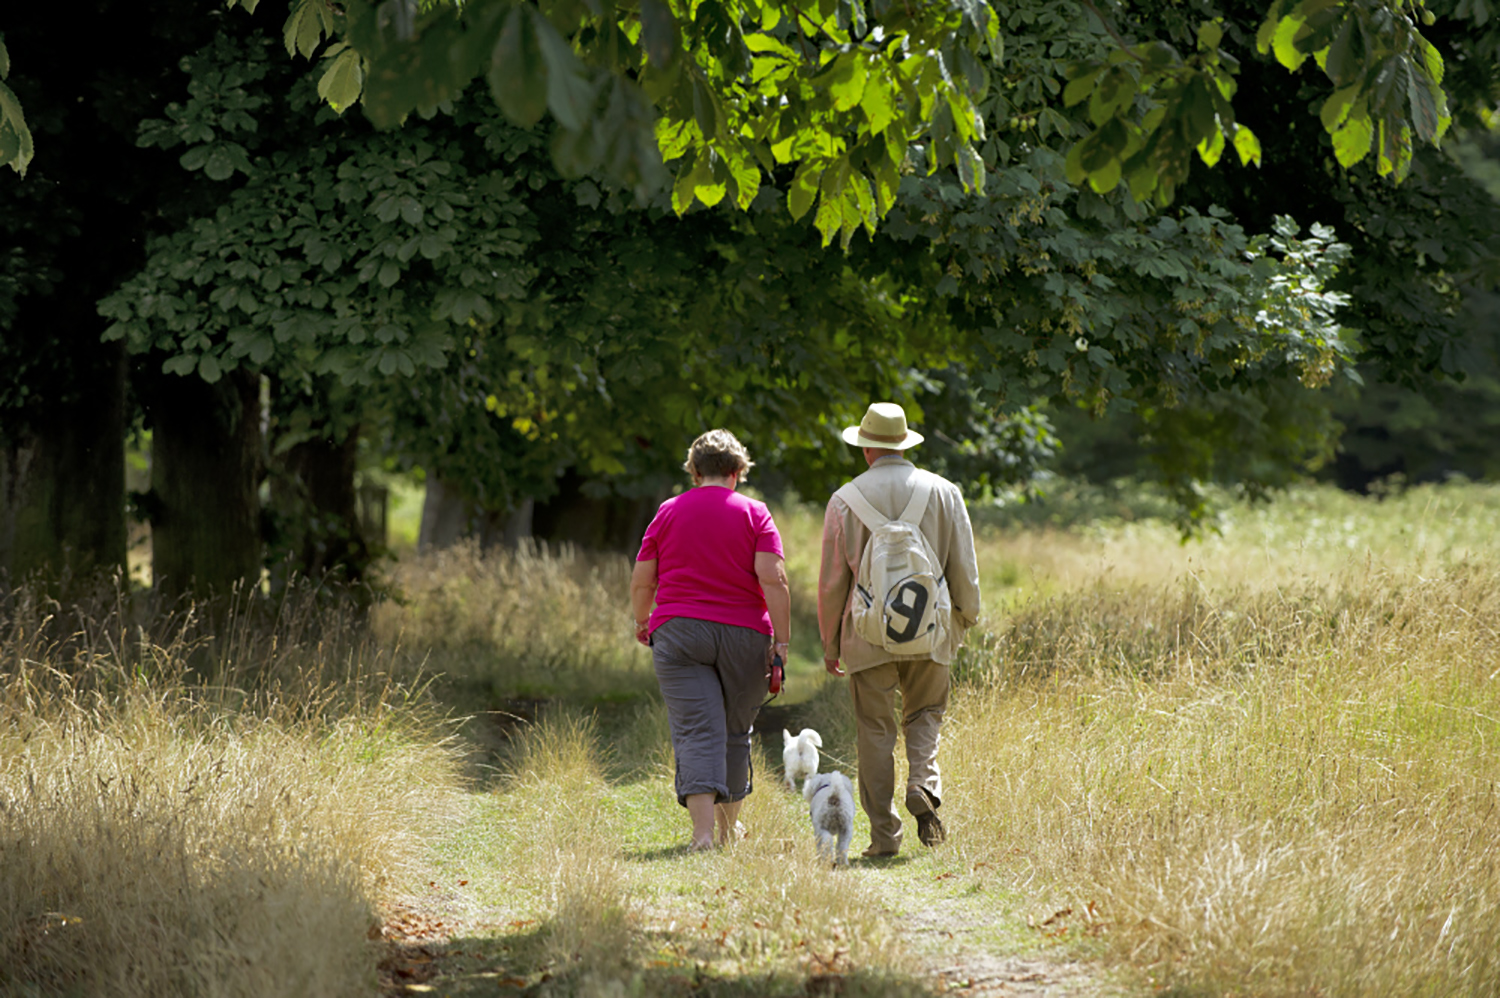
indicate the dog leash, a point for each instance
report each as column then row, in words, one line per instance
column 830, row 755
column 776, row 679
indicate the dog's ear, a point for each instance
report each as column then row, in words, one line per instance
column 786, row 737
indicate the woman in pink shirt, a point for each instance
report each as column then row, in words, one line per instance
column 711, row 563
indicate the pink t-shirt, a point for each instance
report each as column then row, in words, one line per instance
column 704, row 543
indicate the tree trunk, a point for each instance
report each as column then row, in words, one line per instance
column 448, row 517
column 314, row 493
column 205, row 473
column 610, row 523
column 62, row 480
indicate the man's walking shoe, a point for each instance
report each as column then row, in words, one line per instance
column 923, row 806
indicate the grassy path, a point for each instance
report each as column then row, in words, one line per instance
column 563, row 882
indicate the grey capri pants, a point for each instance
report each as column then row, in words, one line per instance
column 713, row 678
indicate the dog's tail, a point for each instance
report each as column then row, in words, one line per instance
column 811, row 737
column 840, row 808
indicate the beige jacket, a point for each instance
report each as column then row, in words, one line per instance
column 887, row 485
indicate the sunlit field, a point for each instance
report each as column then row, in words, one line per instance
column 1259, row 763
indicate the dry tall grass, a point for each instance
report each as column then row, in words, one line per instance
column 529, row 623
column 1267, row 760
column 186, row 815
column 1262, row 793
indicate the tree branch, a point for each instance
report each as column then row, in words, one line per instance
column 1124, row 45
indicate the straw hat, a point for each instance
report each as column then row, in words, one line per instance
column 884, row 426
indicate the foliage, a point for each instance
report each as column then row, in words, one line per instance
column 16, row 147
column 730, row 89
column 501, row 321
column 1186, row 322
column 504, row 322
column 355, row 258
column 842, row 91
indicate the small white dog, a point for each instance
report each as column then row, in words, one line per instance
column 799, row 756
column 830, row 799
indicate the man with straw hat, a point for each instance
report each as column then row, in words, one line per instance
column 893, row 489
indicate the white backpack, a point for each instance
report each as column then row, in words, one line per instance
column 900, row 600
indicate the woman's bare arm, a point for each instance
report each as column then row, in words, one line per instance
column 771, row 571
column 642, row 596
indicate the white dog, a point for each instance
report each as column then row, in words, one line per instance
column 830, row 799
column 799, row 756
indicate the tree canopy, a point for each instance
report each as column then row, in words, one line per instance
column 599, row 229
column 840, row 91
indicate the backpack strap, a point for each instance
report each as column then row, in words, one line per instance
column 872, row 518
column 861, row 507
column 917, row 504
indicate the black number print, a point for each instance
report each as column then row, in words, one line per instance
column 910, row 602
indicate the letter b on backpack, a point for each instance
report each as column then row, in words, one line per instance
column 901, row 600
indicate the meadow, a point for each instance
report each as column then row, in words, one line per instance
column 1262, row 763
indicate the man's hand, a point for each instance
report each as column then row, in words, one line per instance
column 832, row 665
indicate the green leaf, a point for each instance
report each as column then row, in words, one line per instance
column 518, row 73
column 1198, row 111
column 570, row 97
column 1430, row 58
column 1424, row 110
column 745, row 177
column 1074, row 165
column 706, row 110
column 1266, row 35
column 305, row 27
column 1114, row 93
column 1336, row 108
column 1284, row 44
column 1210, row 33
column 829, row 219
column 261, row 349
column 804, row 189
column 1247, row 145
column 970, row 169
column 1080, row 87
column 1106, row 177
column 15, row 138
column 1351, row 142
column 342, row 80
column 219, row 165
column 209, row 369
column 1345, row 53
column 1212, row 147
column 845, row 80
column 182, row 364
column 659, row 33
column 878, row 103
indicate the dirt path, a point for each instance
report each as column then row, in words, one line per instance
column 951, row 936
column 428, row 946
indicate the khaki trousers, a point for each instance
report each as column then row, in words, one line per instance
column 924, row 698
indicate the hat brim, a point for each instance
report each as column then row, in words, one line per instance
column 853, row 437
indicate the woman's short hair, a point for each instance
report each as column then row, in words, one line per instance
column 717, row 454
